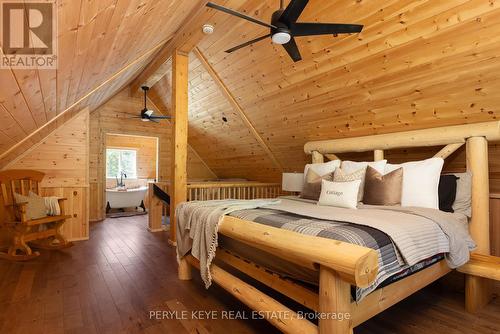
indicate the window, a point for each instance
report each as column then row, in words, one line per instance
column 118, row 161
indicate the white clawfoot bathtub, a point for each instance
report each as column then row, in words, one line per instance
column 119, row 199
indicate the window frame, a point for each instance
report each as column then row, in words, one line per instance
column 120, row 150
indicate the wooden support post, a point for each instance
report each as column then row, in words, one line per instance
column 155, row 213
column 477, row 289
column 334, row 303
column 378, row 155
column 317, row 157
column 180, row 63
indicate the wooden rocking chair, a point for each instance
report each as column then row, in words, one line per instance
column 43, row 233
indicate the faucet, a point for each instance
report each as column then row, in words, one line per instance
column 120, row 183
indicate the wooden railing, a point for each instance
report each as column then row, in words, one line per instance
column 205, row 191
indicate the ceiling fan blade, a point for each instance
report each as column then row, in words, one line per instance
column 240, row 15
column 293, row 11
column 135, row 117
column 248, row 43
column 293, row 50
column 153, row 120
column 160, row 117
column 311, row 29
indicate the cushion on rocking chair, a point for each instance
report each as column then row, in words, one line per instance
column 35, row 208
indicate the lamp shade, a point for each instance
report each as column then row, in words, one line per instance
column 293, row 182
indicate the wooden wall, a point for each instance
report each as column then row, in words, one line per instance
column 64, row 158
column 146, row 148
column 114, row 117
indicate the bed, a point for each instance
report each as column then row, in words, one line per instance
column 345, row 273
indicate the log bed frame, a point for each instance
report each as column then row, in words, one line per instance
column 341, row 264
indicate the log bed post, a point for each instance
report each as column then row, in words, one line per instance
column 378, row 155
column 477, row 289
column 179, row 139
column 334, row 303
column 317, row 157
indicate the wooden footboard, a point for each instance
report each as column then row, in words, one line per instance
column 355, row 264
column 340, row 265
column 336, row 311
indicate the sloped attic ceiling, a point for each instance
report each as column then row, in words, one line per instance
column 417, row 64
column 102, row 44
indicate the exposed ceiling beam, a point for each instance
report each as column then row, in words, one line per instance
column 184, row 40
column 236, row 106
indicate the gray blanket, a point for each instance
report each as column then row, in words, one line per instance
column 417, row 233
column 197, row 227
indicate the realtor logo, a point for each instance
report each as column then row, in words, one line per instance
column 29, row 34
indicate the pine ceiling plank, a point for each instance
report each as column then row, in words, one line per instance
column 396, row 60
column 122, row 43
column 104, row 43
column 335, row 50
column 10, row 126
column 148, row 31
column 29, row 85
column 12, row 99
column 339, row 54
column 82, row 103
column 48, row 90
column 185, row 39
column 68, row 15
column 86, row 23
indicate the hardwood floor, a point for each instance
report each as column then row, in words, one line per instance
column 111, row 283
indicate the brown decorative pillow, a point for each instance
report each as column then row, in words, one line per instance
column 340, row 176
column 36, row 205
column 312, row 184
column 383, row 189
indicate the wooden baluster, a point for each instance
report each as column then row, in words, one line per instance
column 23, row 189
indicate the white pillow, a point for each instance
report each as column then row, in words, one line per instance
column 349, row 167
column 420, row 182
column 340, row 194
column 323, row 168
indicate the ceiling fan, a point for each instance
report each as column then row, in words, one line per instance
column 284, row 27
column 147, row 114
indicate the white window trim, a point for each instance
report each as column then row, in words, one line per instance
column 119, row 162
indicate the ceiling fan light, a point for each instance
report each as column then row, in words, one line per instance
column 281, row 38
column 145, row 120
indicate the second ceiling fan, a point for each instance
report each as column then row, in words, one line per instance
column 284, row 27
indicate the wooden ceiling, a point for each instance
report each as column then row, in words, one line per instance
column 103, row 45
column 417, row 64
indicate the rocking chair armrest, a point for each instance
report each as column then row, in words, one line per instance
column 21, row 210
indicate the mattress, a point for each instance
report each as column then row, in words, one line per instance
column 391, row 266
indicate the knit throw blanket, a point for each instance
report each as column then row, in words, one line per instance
column 197, row 227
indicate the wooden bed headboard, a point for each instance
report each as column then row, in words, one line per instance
column 474, row 136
